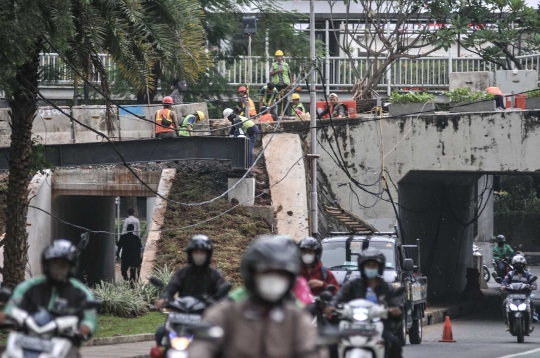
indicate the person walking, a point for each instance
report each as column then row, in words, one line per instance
column 242, row 125
column 131, row 219
column 187, row 123
column 281, row 77
column 267, row 97
column 246, row 100
column 130, row 245
column 165, row 118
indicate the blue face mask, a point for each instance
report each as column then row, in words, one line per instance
column 371, row 273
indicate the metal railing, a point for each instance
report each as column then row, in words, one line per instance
column 338, row 72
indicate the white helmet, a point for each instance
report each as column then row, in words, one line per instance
column 519, row 259
column 227, row 112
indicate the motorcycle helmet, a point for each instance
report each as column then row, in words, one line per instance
column 313, row 244
column 519, row 262
column 270, row 252
column 59, row 249
column 500, row 239
column 200, row 242
column 371, row 254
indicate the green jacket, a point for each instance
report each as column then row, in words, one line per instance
column 282, row 77
column 189, row 119
column 500, row 252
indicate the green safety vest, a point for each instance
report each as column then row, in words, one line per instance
column 267, row 102
column 300, row 107
column 183, row 126
column 285, row 74
column 246, row 123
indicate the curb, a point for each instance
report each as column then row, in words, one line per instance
column 459, row 310
column 107, row 341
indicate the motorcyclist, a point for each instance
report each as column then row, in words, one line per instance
column 267, row 323
column 371, row 286
column 56, row 289
column 518, row 275
column 197, row 279
column 500, row 251
column 312, row 269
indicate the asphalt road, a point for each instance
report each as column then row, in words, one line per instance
column 478, row 336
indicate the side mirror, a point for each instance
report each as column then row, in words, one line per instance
column 498, row 280
column 331, row 288
column 223, row 290
column 156, row 282
column 408, row 265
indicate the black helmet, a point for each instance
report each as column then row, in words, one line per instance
column 278, row 252
column 500, row 238
column 59, row 249
column 270, row 85
column 200, row 242
column 311, row 243
column 371, row 254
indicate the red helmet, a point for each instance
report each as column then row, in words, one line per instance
column 168, row 100
column 242, row 89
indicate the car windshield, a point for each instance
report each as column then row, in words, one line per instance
column 335, row 256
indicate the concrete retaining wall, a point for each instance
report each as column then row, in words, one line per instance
column 94, row 117
column 475, row 81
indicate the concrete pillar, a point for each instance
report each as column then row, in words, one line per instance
column 440, row 211
column 150, row 205
column 243, row 192
column 486, row 218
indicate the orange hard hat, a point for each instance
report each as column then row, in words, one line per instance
column 242, row 89
column 168, row 100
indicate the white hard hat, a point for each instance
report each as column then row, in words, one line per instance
column 227, row 112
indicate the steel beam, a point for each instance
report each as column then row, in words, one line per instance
column 145, row 150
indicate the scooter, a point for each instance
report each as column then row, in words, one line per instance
column 507, row 267
column 184, row 323
column 362, row 321
column 476, row 252
column 518, row 308
column 44, row 334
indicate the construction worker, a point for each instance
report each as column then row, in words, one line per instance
column 267, row 97
column 187, row 124
column 166, row 124
column 297, row 107
column 335, row 109
column 281, row 76
column 245, row 99
column 242, row 125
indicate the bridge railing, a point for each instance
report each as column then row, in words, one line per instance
column 338, row 72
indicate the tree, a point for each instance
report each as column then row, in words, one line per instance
column 79, row 30
column 499, row 30
column 386, row 31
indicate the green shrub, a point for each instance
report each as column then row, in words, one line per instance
column 149, row 292
column 120, row 300
column 411, row 97
column 533, row 94
column 465, row 94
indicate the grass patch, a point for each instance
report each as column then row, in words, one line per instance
column 230, row 233
column 111, row 326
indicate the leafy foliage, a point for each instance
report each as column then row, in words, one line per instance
column 465, row 94
column 411, row 97
column 119, row 299
column 517, row 194
column 533, row 94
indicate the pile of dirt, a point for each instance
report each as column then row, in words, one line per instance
column 261, row 181
column 231, row 233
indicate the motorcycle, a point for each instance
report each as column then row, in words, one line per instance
column 44, row 334
column 507, row 267
column 362, row 321
column 485, row 270
column 518, row 308
column 184, row 323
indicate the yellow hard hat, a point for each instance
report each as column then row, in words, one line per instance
column 295, row 96
column 279, row 53
column 200, row 114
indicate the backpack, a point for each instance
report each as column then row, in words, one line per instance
column 182, row 86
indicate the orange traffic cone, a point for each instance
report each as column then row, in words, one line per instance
column 447, row 331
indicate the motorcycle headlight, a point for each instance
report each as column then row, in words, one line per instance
column 522, row 307
column 360, row 314
column 180, row 343
column 173, row 353
column 512, row 307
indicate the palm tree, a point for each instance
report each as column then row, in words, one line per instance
column 138, row 34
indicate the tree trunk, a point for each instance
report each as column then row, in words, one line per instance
column 23, row 109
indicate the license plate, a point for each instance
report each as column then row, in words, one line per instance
column 360, row 327
column 35, row 344
column 517, row 297
column 185, row 318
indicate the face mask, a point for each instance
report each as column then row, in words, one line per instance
column 371, row 273
column 308, row 259
column 199, row 259
column 271, row 287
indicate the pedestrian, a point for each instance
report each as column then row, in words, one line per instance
column 267, row 97
column 281, row 77
column 166, row 123
column 130, row 245
column 243, row 125
column 336, row 109
column 131, row 219
column 499, row 98
column 187, row 123
column 246, row 100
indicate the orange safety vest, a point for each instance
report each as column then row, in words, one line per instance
column 252, row 109
column 159, row 116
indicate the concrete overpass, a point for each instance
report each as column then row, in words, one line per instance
column 435, row 162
